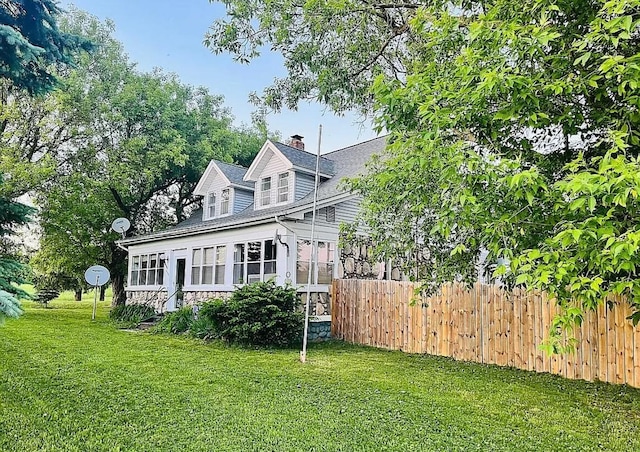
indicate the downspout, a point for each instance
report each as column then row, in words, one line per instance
column 278, row 236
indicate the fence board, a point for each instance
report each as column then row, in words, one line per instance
column 487, row 325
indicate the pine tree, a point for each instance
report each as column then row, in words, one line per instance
column 31, row 44
column 12, row 214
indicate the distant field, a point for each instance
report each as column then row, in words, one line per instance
column 70, row 384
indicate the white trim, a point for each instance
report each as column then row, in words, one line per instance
column 320, row 318
column 201, row 189
column 266, row 147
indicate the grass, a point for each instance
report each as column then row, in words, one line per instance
column 67, row 383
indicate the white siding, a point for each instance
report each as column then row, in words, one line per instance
column 272, row 168
column 216, row 186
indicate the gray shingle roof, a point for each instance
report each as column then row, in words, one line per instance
column 234, row 173
column 306, row 160
column 346, row 162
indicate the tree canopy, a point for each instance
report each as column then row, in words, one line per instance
column 31, row 47
column 138, row 144
column 332, row 50
column 515, row 133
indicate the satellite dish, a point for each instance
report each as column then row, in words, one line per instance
column 120, row 225
column 97, row 275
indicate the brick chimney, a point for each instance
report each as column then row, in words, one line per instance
column 296, row 142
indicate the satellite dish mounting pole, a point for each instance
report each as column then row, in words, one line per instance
column 95, row 297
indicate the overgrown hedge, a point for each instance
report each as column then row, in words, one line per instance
column 260, row 314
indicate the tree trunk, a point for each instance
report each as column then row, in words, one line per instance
column 103, row 291
column 117, row 285
column 78, row 295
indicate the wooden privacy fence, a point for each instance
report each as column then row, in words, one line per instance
column 487, row 325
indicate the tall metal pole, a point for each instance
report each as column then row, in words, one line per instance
column 314, row 250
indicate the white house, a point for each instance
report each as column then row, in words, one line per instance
column 255, row 224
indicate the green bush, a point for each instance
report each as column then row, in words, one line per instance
column 257, row 314
column 176, row 322
column 132, row 314
column 204, row 328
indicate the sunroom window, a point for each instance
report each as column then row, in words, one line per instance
column 147, row 270
column 322, row 273
column 207, row 265
column 256, row 260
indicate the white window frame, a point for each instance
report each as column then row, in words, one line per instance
column 215, row 266
column 225, row 204
column 330, row 248
column 287, row 188
column 135, row 273
column 261, row 262
column 211, row 206
column 265, row 194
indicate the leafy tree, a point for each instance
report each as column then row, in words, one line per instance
column 31, row 45
column 516, row 132
column 332, row 50
column 141, row 141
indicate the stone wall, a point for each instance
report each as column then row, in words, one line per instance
column 320, row 303
column 358, row 262
column 319, row 331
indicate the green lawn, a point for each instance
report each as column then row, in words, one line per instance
column 67, row 383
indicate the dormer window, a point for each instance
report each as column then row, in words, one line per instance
column 211, row 205
column 265, row 191
column 224, row 203
column 283, row 187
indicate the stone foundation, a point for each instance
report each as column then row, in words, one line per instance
column 320, row 303
column 319, row 331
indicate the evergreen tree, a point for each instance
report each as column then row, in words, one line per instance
column 31, row 44
column 12, row 214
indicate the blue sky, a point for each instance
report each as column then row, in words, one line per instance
column 169, row 34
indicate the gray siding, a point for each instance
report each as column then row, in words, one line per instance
column 304, row 185
column 346, row 212
column 242, row 200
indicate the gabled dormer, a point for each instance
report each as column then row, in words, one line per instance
column 283, row 173
column 224, row 190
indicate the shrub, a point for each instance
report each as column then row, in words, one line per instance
column 176, row 322
column 257, row 314
column 204, row 328
column 132, row 314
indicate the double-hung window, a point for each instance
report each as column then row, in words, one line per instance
column 207, row 265
column 265, row 191
column 283, row 187
column 211, row 205
column 224, row 202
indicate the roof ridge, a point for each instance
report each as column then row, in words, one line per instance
column 230, row 164
column 357, row 144
column 312, row 154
